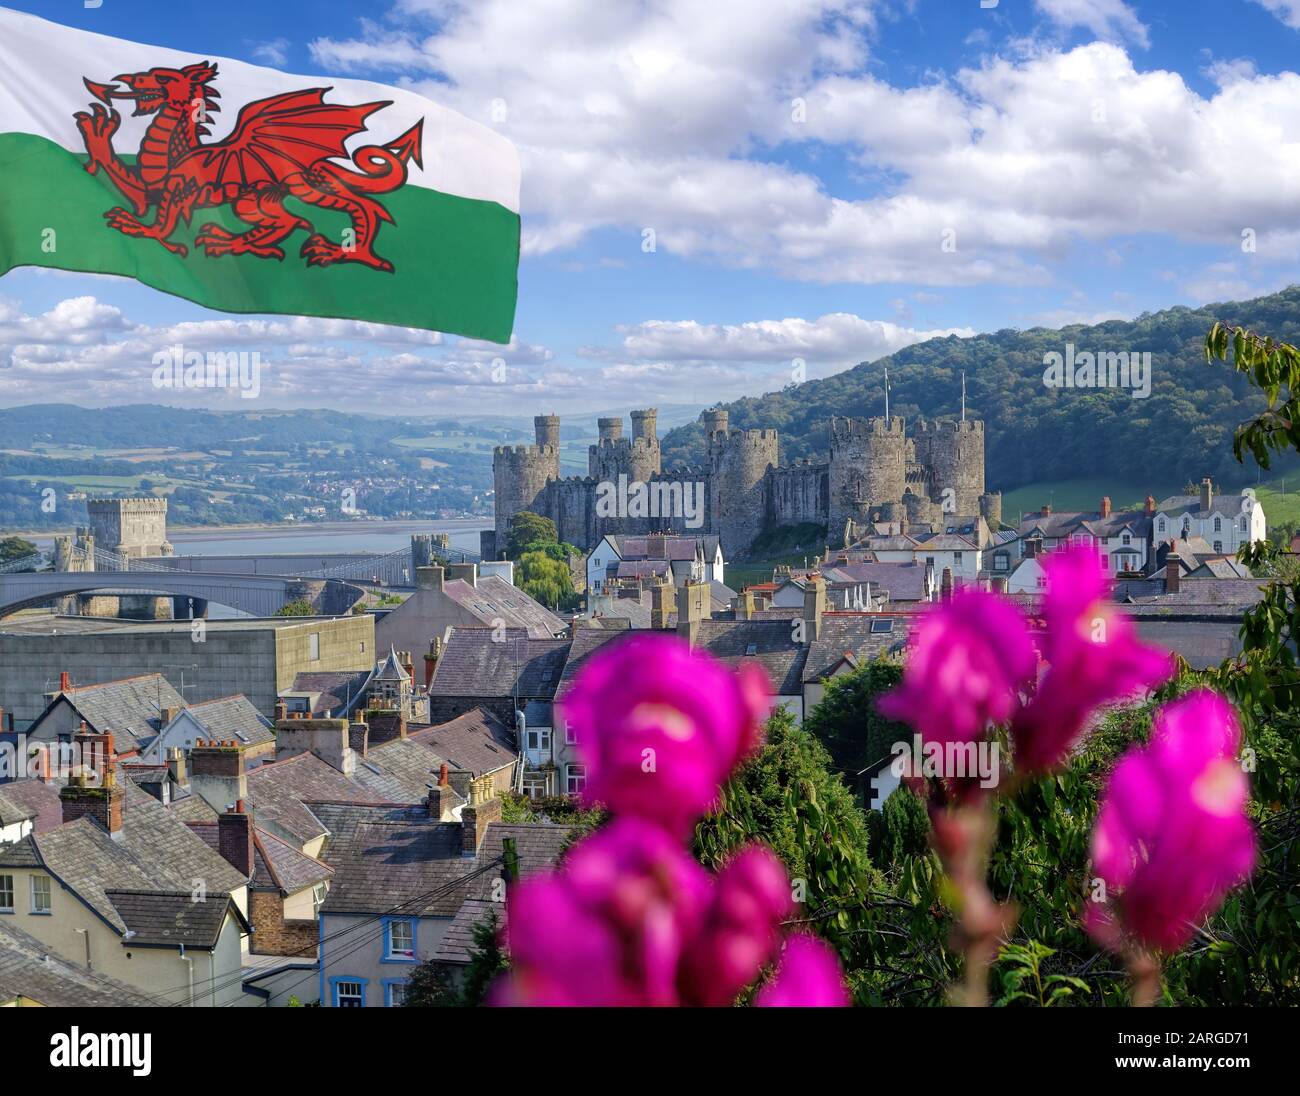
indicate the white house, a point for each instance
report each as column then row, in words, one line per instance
column 1225, row 522
column 683, row 558
column 1121, row 537
column 1028, row 577
column 951, row 551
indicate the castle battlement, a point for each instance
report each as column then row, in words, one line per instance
column 145, row 505
column 877, row 470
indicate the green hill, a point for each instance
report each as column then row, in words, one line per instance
column 1036, row 435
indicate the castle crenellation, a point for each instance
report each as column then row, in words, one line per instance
column 876, row 471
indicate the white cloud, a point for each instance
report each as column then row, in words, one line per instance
column 1286, row 10
column 680, row 117
column 838, row 337
column 1111, row 20
column 274, row 52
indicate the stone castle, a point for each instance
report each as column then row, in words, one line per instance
column 876, row 473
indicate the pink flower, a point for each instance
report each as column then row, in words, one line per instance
column 661, row 727
column 1093, row 655
column 1172, row 836
column 967, row 661
column 608, row 928
column 807, row 977
column 743, row 931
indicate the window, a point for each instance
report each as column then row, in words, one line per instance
column 399, row 941
column 41, row 894
column 1042, row 582
column 313, row 647
column 575, row 778
column 879, row 627
column 570, row 735
column 1245, row 525
column 1161, row 525
column 534, row 787
column 1218, row 525
column 394, row 994
column 1105, row 561
column 317, row 898
column 1218, row 546
column 539, row 738
column 349, row 992
column 1000, row 561
column 1126, row 539
column 6, row 894
column 956, row 557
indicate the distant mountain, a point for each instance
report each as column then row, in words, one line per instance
column 1182, row 431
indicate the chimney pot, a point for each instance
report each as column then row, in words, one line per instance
column 1105, row 506
column 65, row 681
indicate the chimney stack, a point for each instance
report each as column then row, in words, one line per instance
column 1173, row 573
column 1207, row 494
column 814, row 606
column 281, row 710
column 693, row 606
column 176, row 767
column 65, row 682
column 92, row 790
column 745, row 605
column 1047, row 509
column 235, row 838
column 945, row 585
column 217, row 773
column 468, row 572
column 1105, row 506
column 661, row 605
column 474, row 821
column 1150, row 506
column 431, row 661
column 326, row 738
column 430, row 578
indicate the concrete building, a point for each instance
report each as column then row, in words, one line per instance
column 203, row 660
column 1226, row 522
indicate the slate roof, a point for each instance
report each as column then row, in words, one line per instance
column 340, row 693
column 1221, row 567
column 128, row 708
column 487, row 662
column 234, row 717
column 155, row 853
column 29, row 969
column 457, row 943
column 31, row 799
column 476, row 741
column 586, row 642
column 169, row 919
column 416, row 864
column 665, row 547
column 1062, row 523
column 494, row 599
column 901, row 581
column 399, row 771
column 770, row 643
column 1203, row 593
column 278, row 865
column 278, row 792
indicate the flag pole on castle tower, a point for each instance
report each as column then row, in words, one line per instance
column 963, row 395
column 886, row 395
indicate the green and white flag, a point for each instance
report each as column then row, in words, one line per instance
column 249, row 190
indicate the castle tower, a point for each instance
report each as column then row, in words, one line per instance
column 131, row 527
column 991, row 509
column 644, row 463
column 715, row 422
column 954, row 452
column 610, row 429
column 520, row 474
column 868, row 466
column 738, row 464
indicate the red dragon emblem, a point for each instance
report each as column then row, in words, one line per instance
column 283, row 146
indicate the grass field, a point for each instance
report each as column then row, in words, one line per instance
column 1082, row 494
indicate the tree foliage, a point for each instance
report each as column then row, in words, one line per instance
column 846, row 720
column 528, row 530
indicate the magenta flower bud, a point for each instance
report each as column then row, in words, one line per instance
column 610, row 926
column 1172, row 836
column 751, row 898
column 661, row 727
column 967, row 661
column 808, row 977
column 1094, row 657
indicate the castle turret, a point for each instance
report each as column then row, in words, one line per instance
column 738, row 464
column 520, row 474
column 715, row 422
column 991, row 509
column 610, row 429
column 644, row 463
column 547, row 430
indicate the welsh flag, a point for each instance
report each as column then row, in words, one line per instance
column 249, row 190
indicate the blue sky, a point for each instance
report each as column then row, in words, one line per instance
column 1086, row 155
